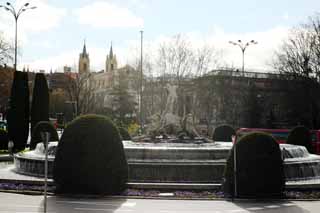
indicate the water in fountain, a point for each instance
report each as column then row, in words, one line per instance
column 177, row 162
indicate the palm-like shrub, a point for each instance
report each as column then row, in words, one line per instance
column 90, row 158
column 43, row 126
column 4, row 139
column 300, row 135
column 40, row 101
column 259, row 167
column 18, row 112
column 223, row 133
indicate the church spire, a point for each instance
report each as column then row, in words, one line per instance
column 84, row 52
column 111, row 51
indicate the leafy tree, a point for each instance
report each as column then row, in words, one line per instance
column 18, row 115
column 40, row 101
column 123, row 105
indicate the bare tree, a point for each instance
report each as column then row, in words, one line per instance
column 81, row 92
column 175, row 58
column 299, row 59
column 6, row 50
column 299, row 55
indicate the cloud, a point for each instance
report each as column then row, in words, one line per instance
column 53, row 62
column 105, row 14
column 43, row 18
column 285, row 16
column 257, row 57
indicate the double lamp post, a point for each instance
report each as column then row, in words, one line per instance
column 243, row 47
column 16, row 13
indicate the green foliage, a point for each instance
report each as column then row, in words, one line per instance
column 300, row 135
column 40, row 101
column 4, row 139
column 133, row 128
column 259, row 167
column 43, row 126
column 223, row 133
column 18, row 113
column 90, row 158
column 123, row 104
column 124, row 133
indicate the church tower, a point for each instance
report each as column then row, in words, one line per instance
column 111, row 61
column 84, row 62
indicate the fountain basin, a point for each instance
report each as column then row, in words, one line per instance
column 196, row 163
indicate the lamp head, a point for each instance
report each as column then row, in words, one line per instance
column 26, row 4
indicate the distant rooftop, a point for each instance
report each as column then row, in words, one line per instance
column 246, row 74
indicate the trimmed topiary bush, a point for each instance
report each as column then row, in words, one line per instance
column 43, row 126
column 90, row 158
column 124, row 134
column 40, row 101
column 223, row 133
column 18, row 112
column 300, row 135
column 4, row 139
column 259, row 167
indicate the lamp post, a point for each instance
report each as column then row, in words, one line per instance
column 45, row 136
column 16, row 13
column 243, row 47
column 141, row 81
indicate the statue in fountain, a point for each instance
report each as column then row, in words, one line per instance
column 168, row 116
column 188, row 127
column 169, row 125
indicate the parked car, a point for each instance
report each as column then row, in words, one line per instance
column 281, row 135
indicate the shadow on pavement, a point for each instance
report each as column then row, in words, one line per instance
column 61, row 204
column 270, row 206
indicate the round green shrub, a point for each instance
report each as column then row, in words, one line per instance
column 43, row 126
column 223, row 133
column 4, row 139
column 259, row 167
column 90, row 158
column 124, row 133
column 300, row 135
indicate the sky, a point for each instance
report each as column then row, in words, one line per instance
column 52, row 35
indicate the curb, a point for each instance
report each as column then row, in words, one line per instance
column 6, row 157
column 177, row 186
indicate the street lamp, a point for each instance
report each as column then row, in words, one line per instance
column 141, row 81
column 243, row 47
column 16, row 15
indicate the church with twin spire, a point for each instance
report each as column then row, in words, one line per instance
column 112, row 76
column 111, row 63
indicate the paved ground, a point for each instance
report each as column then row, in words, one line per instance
column 25, row 203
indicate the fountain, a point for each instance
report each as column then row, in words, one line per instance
column 177, row 156
column 177, row 162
